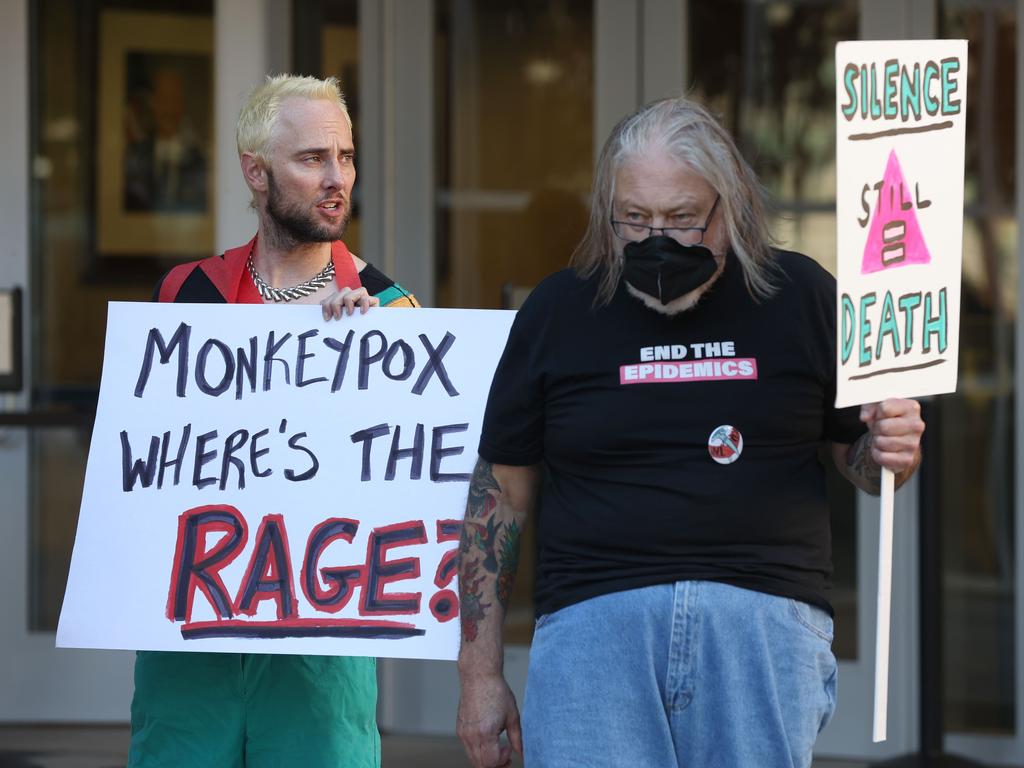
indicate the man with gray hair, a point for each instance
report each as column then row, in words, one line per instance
column 683, row 532
column 226, row 710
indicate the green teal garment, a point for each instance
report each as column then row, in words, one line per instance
column 232, row 710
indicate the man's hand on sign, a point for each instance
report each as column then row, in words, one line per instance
column 893, row 441
column 895, row 426
column 486, row 708
column 345, row 302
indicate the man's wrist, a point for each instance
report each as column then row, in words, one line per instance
column 480, row 665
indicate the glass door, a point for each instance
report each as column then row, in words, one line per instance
column 977, row 493
column 523, row 96
column 116, row 155
column 118, row 152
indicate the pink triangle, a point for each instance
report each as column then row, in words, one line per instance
column 894, row 239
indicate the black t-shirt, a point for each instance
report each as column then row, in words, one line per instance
column 682, row 447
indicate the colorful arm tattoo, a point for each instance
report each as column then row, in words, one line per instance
column 488, row 551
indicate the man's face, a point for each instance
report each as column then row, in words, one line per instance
column 311, row 172
column 656, row 190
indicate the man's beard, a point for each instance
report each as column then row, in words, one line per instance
column 296, row 225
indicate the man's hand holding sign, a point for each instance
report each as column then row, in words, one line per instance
column 893, row 442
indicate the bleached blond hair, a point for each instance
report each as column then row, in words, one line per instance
column 693, row 137
column 258, row 118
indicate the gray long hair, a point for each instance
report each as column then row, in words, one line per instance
column 692, row 136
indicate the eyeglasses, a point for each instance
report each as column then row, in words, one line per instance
column 634, row 232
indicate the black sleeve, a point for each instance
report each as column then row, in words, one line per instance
column 842, row 425
column 513, row 427
column 384, row 288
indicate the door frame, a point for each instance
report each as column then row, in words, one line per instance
column 1009, row 750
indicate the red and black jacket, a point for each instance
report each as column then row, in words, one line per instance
column 224, row 279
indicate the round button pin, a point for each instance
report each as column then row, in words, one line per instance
column 725, row 444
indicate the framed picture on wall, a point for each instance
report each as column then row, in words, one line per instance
column 154, row 195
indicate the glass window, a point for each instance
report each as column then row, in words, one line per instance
column 974, row 443
column 121, row 133
column 514, row 93
column 769, row 73
column 515, row 146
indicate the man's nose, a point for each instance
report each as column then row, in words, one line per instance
column 334, row 176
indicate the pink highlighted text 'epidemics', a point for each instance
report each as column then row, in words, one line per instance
column 732, row 368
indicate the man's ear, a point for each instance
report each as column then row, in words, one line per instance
column 254, row 171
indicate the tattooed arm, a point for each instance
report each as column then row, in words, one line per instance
column 893, row 440
column 500, row 498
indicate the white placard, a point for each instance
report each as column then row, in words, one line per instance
column 261, row 480
column 901, row 111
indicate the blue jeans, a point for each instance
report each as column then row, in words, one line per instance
column 695, row 674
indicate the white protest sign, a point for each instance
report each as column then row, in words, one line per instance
column 900, row 129
column 260, row 480
column 900, row 126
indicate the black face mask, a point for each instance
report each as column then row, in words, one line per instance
column 665, row 269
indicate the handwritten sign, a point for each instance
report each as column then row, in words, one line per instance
column 900, row 128
column 901, row 110
column 262, row 480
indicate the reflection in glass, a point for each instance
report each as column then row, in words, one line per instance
column 326, row 44
column 71, row 283
column 769, row 73
column 167, row 132
column 975, row 488
column 515, row 97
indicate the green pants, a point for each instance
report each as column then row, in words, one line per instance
column 229, row 710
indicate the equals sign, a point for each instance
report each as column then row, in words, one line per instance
column 893, row 250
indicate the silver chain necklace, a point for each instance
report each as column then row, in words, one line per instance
column 270, row 293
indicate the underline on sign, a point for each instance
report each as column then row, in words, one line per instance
column 917, row 367
column 353, row 629
column 900, row 131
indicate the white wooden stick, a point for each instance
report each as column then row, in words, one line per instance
column 884, row 604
